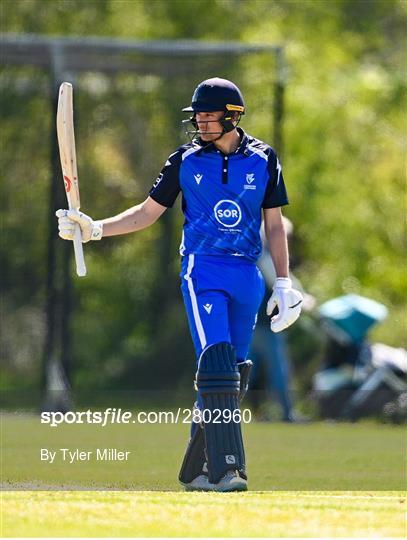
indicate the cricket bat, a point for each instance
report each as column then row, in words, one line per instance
column 67, row 153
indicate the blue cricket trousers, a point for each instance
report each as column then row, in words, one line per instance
column 222, row 296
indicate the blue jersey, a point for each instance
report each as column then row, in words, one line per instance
column 222, row 195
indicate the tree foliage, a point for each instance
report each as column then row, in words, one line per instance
column 344, row 162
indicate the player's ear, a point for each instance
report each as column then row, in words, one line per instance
column 235, row 117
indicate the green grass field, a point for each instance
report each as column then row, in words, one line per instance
column 260, row 514
column 305, row 480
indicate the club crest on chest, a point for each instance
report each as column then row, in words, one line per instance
column 250, row 179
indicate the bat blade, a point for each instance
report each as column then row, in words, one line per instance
column 67, row 153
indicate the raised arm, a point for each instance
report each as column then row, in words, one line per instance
column 134, row 219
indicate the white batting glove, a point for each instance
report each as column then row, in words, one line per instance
column 67, row 220
column 288, row 301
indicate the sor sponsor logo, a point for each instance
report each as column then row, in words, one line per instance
column 228, row 213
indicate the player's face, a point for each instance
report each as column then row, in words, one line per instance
column 209, row 125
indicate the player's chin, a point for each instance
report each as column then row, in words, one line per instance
column 209, row 136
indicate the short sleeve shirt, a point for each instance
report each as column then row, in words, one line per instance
column 222, row 195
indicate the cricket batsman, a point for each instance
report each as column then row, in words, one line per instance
column 229, row 181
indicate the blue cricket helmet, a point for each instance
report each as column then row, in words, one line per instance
column 216, row 94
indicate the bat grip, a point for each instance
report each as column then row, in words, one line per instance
column 78, row 249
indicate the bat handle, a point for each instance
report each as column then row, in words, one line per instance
column 78, row 249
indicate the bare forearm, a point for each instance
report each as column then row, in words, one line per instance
column 277, row 243
column 131, row 220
